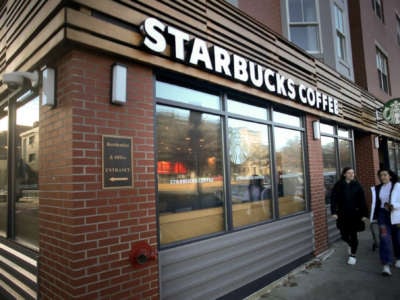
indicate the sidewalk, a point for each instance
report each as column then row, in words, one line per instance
column 329, row 277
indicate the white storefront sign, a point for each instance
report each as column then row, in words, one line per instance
column 196, row 52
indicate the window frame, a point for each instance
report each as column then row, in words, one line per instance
column 382, row 62
column 337, row 137
column 378, row 10
column 225, row 95
column 398, row 29
column 12, row 106
column 316, row 23
column 341, row 39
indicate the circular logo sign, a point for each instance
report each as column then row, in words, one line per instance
column 391, row 111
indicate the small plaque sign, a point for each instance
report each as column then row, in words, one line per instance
column 117, row 162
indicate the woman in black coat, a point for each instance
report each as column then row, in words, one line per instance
column 349, row 208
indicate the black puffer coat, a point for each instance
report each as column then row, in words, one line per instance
column 348, row 202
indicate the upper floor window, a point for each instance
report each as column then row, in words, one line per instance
column 398, row 29
column 304, row 24
column 340, row 33
column 378, row 9
column 383, row 74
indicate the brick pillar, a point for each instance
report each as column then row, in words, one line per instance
column 86, row 232
column 367, row 161
column 317, row 191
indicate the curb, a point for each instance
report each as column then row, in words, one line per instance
column 317, row 261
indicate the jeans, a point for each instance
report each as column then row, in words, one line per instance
column 389, row 236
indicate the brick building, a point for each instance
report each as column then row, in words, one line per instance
column 186, row 153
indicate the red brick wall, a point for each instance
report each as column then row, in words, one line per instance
column 86, row 232
column 317, row 191
column 265, row 11
column 367, row 161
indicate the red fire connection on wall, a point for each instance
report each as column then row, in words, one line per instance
column 142, row 254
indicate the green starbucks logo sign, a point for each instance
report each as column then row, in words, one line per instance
column 391, row 111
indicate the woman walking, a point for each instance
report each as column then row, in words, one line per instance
column 349, row 208
column 386, row 209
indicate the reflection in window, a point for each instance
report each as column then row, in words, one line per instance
column 185, row 95
column 27, row 201
column 3, row 172
column 383, row 72
column 190, row 174
column 337, row 152
column 345, row 153
column 240, row 108
column 290, row 168
column 250, row 172
column 286, row 119
column 329, row 165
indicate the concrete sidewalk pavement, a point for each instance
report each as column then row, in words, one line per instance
column 329, row 277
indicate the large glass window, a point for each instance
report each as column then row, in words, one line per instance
column 3, row 170
column 216, row 157
column 19, row 200
column 250, row 164
column 290, row 168
column 383, row 73
column 337, row 153
column 304, row 24
column 27, row 171
column 394, row 156
column 190, row 174
column 330, row 164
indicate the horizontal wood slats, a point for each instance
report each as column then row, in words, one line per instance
column 18, row 272
column 204, row 270
column 114, row 27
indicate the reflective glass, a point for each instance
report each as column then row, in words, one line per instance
column 185, row 95
column 290, row 168
column 240, row 108
column 345, row 154
column 309, row 11
column 344, row 133
column 295, row 11
column 250, row 164
column 27, row 173
column 392, row 158
column 286, row 119
column 398, row 158
column 329, row 164
column 305, row 36
column 190, row 174
column 328, row 129
column 3, row 171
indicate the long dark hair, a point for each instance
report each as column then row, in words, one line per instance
column 393, row 176
column 344, row 171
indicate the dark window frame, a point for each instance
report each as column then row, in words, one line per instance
column 226, row 94
column 12, row 105
column 377, row 7
column 384, row 79
column 337, row 138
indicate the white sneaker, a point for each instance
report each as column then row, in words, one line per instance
column 397, row 264
column 386, row 270
column 352, row 260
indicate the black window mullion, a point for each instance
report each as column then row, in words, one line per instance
column 11, row 168
column 227, row 170
column 274, row 177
